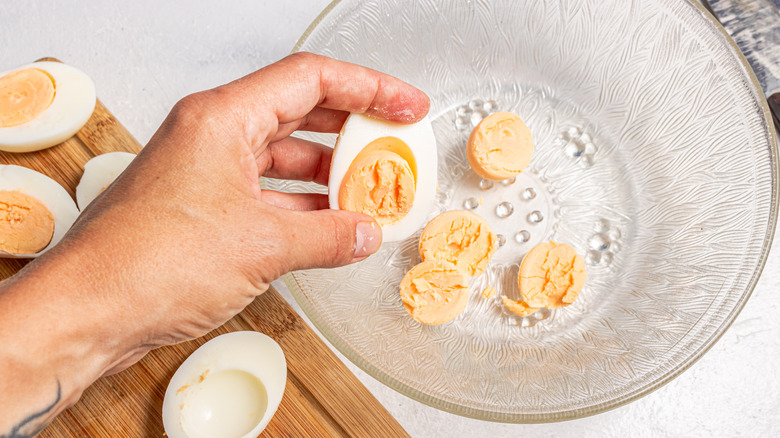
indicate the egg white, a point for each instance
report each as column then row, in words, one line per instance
column 99, row 172
column 251, row 352
column 74, row 101
column 50, row 193
column 360, row 130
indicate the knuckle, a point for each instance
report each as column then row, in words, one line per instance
column 342, row 241
column 199, row 109
column 190, row 104
column 306, row 63
column 303, row 57
column 189, row 110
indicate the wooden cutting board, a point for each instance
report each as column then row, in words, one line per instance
column 322, row 397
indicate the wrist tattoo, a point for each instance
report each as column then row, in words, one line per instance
column 32, row 424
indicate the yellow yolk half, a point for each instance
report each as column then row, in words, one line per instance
column 380, row 182
column 396, row 146
column 518, row 307
column 500, row 146
column 26, row 225
column 551, row 275
column 461, row 238
column 434, row 292
column 24, row 95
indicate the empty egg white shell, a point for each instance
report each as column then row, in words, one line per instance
column 99, row 173
column 74, row 101
column 49, row 192
column 215, row 393
column 360, row 130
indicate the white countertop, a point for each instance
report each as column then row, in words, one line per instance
column 144, row 55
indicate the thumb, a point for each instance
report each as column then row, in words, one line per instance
column 330, row 238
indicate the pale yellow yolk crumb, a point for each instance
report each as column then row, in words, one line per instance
column 379, row 184
column 434, row 292
column 26, row 225
column 518, row 307
column 500, row 146
column 489, row 292
column 551, row 275
column 461, row 238
column 24, row 95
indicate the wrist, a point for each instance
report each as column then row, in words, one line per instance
column 55, row 340
column 76, row 306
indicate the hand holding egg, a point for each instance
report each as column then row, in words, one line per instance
column 185, row 238
column 196, row 237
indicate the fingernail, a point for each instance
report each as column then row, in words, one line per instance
column 368, row 239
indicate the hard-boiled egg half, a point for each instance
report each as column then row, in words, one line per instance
column 230, row 387
column 385, row 170
column 43, row 104
column 99, row 173
column 35, row 212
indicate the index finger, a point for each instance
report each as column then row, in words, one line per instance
column 294, row 86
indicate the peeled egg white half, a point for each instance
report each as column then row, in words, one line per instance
column 73, row 103
column 99, row 173
column 230, row 387
column 358, row 132
column 48, row 192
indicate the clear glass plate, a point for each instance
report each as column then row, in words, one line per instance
column 654, row 158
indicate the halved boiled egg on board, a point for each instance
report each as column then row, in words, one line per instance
column 229, row 387
column 385, row 170
column 99, row 173
column 43, row 104
column 35, row 212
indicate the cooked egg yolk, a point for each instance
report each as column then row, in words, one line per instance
column 551, row 275
column 380, row 182
column 26, row 225
column 24, row 95
column 500, row 146
column 489, row 292
column 461, row 238
column 518, row 307
column 434, row 292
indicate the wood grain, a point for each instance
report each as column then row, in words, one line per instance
column 322, row 398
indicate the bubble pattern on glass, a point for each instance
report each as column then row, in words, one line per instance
column 468, row 115
column 504, row 209
column 604, row 243
column 578, row 146
column 545, row 202
column 471, row 203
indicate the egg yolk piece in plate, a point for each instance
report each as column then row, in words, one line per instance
column 518, row 307
column 435, row 292
column 26, row 225
column 500, row 146
column 551, row 275
column 461, row 238
column 24, row 95
column 385, row 170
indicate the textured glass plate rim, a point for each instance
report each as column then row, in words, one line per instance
column 651, row 386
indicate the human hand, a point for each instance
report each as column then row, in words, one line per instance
column 186, row 238
column 189, row 237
